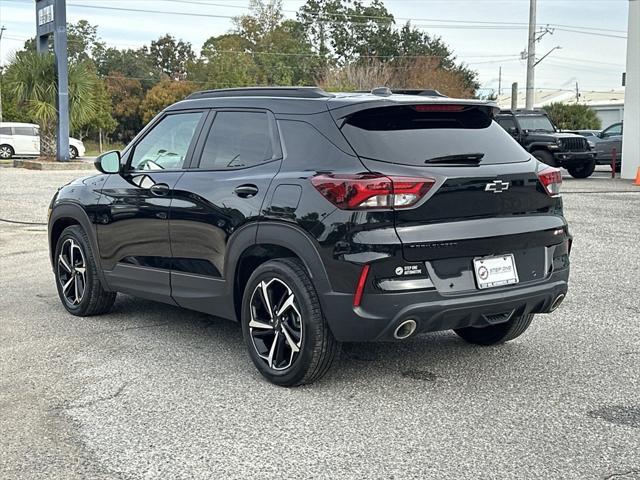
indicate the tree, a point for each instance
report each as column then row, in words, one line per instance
column 135, row 64
column 401, row 73
column 162, row 95
column 171, row 56
column 126, row 95
column 31, row 78
column 350, row 32
column 573, row 117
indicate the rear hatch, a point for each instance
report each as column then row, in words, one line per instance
column 486, row 198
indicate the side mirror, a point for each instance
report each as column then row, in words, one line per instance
column 513, row 131
column 108, row 162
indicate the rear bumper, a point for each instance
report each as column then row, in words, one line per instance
column 380, row 314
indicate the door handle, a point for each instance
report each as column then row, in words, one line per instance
column 246, row 191
column 159, row 189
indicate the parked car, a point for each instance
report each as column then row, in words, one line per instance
column 23, row 140
column 610, row 138
column 538, row 135
column 592, row 136
column 315, row 218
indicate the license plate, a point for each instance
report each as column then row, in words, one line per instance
column 495, row 271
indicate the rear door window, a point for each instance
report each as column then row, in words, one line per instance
column 28, row 131
column 237, row 140
column 413, row 135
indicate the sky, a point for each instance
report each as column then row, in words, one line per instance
column 485, row 34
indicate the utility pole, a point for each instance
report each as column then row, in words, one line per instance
column 500, row 81
column 514, row 96
column 2, row 29
column 531, row 56
column 577, row 93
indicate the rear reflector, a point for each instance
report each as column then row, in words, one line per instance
column 357, row 298
column 551, row 178
column 370, row 190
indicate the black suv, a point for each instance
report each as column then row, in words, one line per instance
column 537, row 134
column 316, row 218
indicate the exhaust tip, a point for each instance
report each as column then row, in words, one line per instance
column 405, row 329
column 556, row 302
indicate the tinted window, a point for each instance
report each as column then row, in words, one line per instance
column 5, row 130
column 406, row 136
column 237, row 140
column 24, row 131
column 166, row 145
column 507, row 123
column 535, row 122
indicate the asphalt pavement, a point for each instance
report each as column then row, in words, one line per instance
column 151, row 391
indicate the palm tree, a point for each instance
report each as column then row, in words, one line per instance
column 32, row 79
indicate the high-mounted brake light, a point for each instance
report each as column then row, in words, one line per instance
column 370, row 190
column 439, row 108
column 551, row 179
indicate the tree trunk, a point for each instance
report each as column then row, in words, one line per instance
column 48, row 141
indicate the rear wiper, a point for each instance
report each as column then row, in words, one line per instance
column 461, row 158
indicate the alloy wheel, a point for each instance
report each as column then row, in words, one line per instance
column 5, row 152
column 275, row 326
column 72, row 271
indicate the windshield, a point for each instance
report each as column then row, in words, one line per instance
column 409, row 136
column 536, row 122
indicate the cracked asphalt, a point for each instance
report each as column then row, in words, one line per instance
column 150, row 391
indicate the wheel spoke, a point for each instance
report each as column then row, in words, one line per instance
column 264, row 293
column 64, row 263
column 262, row 325
column 76, row 290
column 290, row 341
column 67, row 285
column 272, row 350
column 71, row 245
column 288, row 303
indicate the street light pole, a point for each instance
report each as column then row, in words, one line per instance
column 531, row 55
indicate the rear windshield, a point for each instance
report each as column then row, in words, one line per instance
column 407, row 136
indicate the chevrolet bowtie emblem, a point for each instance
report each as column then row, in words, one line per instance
column 497, row 186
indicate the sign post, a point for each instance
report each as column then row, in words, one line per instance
column 51, row 18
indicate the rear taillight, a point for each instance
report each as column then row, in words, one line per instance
column 551, row 178
column 370, row 190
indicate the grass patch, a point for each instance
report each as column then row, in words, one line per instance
column 93, row 148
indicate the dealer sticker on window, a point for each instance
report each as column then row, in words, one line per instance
column 495, row 271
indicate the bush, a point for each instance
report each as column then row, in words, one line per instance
column 573, row 117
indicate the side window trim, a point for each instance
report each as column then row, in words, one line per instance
column 274, row 138
column 130, row 151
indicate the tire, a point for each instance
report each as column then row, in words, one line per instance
column 545, row 157
column 6, row 152
column 582, row 171
column 73, row 152
column 496, row 334
column 90, row 298
column 271, row 342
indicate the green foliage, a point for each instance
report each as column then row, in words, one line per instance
column 163, row 95
column 31, row 79
column 573, row 117
column 340, row 44
column 171, row 56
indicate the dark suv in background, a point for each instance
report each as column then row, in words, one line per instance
column 538, row 135
column 316, row 218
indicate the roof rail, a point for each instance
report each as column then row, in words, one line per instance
column 292, row 92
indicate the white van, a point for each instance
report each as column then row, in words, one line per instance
column 23, row 140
